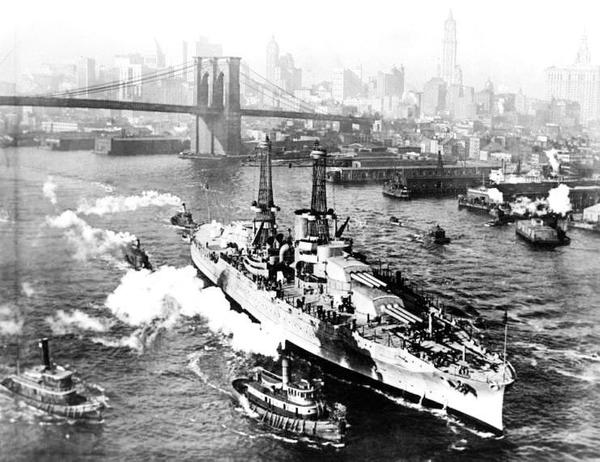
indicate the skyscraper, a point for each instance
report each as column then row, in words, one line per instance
column 579, row 82
column 272, row 60
column 449, row 71
column 86, row 72
column 281, row 69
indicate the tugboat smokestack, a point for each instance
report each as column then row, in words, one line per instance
column 45, row 352
column 285, row 371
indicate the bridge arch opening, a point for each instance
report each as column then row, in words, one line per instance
column 218, row 92
column 203, row 90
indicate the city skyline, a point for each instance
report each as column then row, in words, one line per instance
column 513, row 46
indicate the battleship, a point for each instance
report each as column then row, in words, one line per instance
column 365, row 321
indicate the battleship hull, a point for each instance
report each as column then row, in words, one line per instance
column 389, row 368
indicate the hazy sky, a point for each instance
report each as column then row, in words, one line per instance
column 510, row 41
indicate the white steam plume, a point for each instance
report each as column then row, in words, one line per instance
column 558, row 200
column 63, row 323
column 90, row 242
column 495, row 195
column 114, row 204
column 552, row 156
column 10, row 322
column 49, row 190
column 168, row 293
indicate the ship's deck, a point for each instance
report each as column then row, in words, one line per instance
column 448, row 347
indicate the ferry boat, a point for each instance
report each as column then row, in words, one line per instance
column 50, row 387
column 183, row 219
column 538, row 233
column 363, row 320
column 291, row 406
column 136, row 256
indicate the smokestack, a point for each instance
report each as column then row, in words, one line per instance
column 45, row 352
column 284, row 370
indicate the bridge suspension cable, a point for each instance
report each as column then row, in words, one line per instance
column 282, row 94
column 181, row 69
column 285, row 103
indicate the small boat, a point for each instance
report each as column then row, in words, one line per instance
column 437, row 235
column 293, row 407
column 396, row 188
column 543, row 232
column 184, row 219
column 395, row 221
column 136, row 256
column 51, row 388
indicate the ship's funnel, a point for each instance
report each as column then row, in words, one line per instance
column 285, row 377
column 45, row 352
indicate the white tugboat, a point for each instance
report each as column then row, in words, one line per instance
column 328, row 301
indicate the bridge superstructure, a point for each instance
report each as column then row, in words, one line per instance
column 216, row 102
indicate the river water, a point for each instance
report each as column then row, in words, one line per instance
column 162, row 350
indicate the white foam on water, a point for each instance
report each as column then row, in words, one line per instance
column 4, row 216
column 49, row 190
column 115, row 204
column 108, row 188
column 169, row 293
column 27, row 289
column 62, row 322
column 90, row 242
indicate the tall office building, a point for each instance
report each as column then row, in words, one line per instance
column 391, row 84
column 281, row 69
column 272, row 59
column 434, row 97
column 86, row 72
column 449, row 68
column 345, row 84
column 579, row 82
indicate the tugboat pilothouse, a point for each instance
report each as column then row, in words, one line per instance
column 325, row 299
column 50, row 387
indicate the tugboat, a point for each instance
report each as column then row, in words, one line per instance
column 396, row 188
column 293, row 407
column 50, row 387
column 437, row 235
column 548, row 232
column 184, row 219
column 136, row 256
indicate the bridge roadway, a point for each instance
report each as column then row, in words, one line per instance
column 90, row 103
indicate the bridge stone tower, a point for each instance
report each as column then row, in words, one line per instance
column 217, row 94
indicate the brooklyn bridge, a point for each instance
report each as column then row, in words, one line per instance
column 217, row 102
